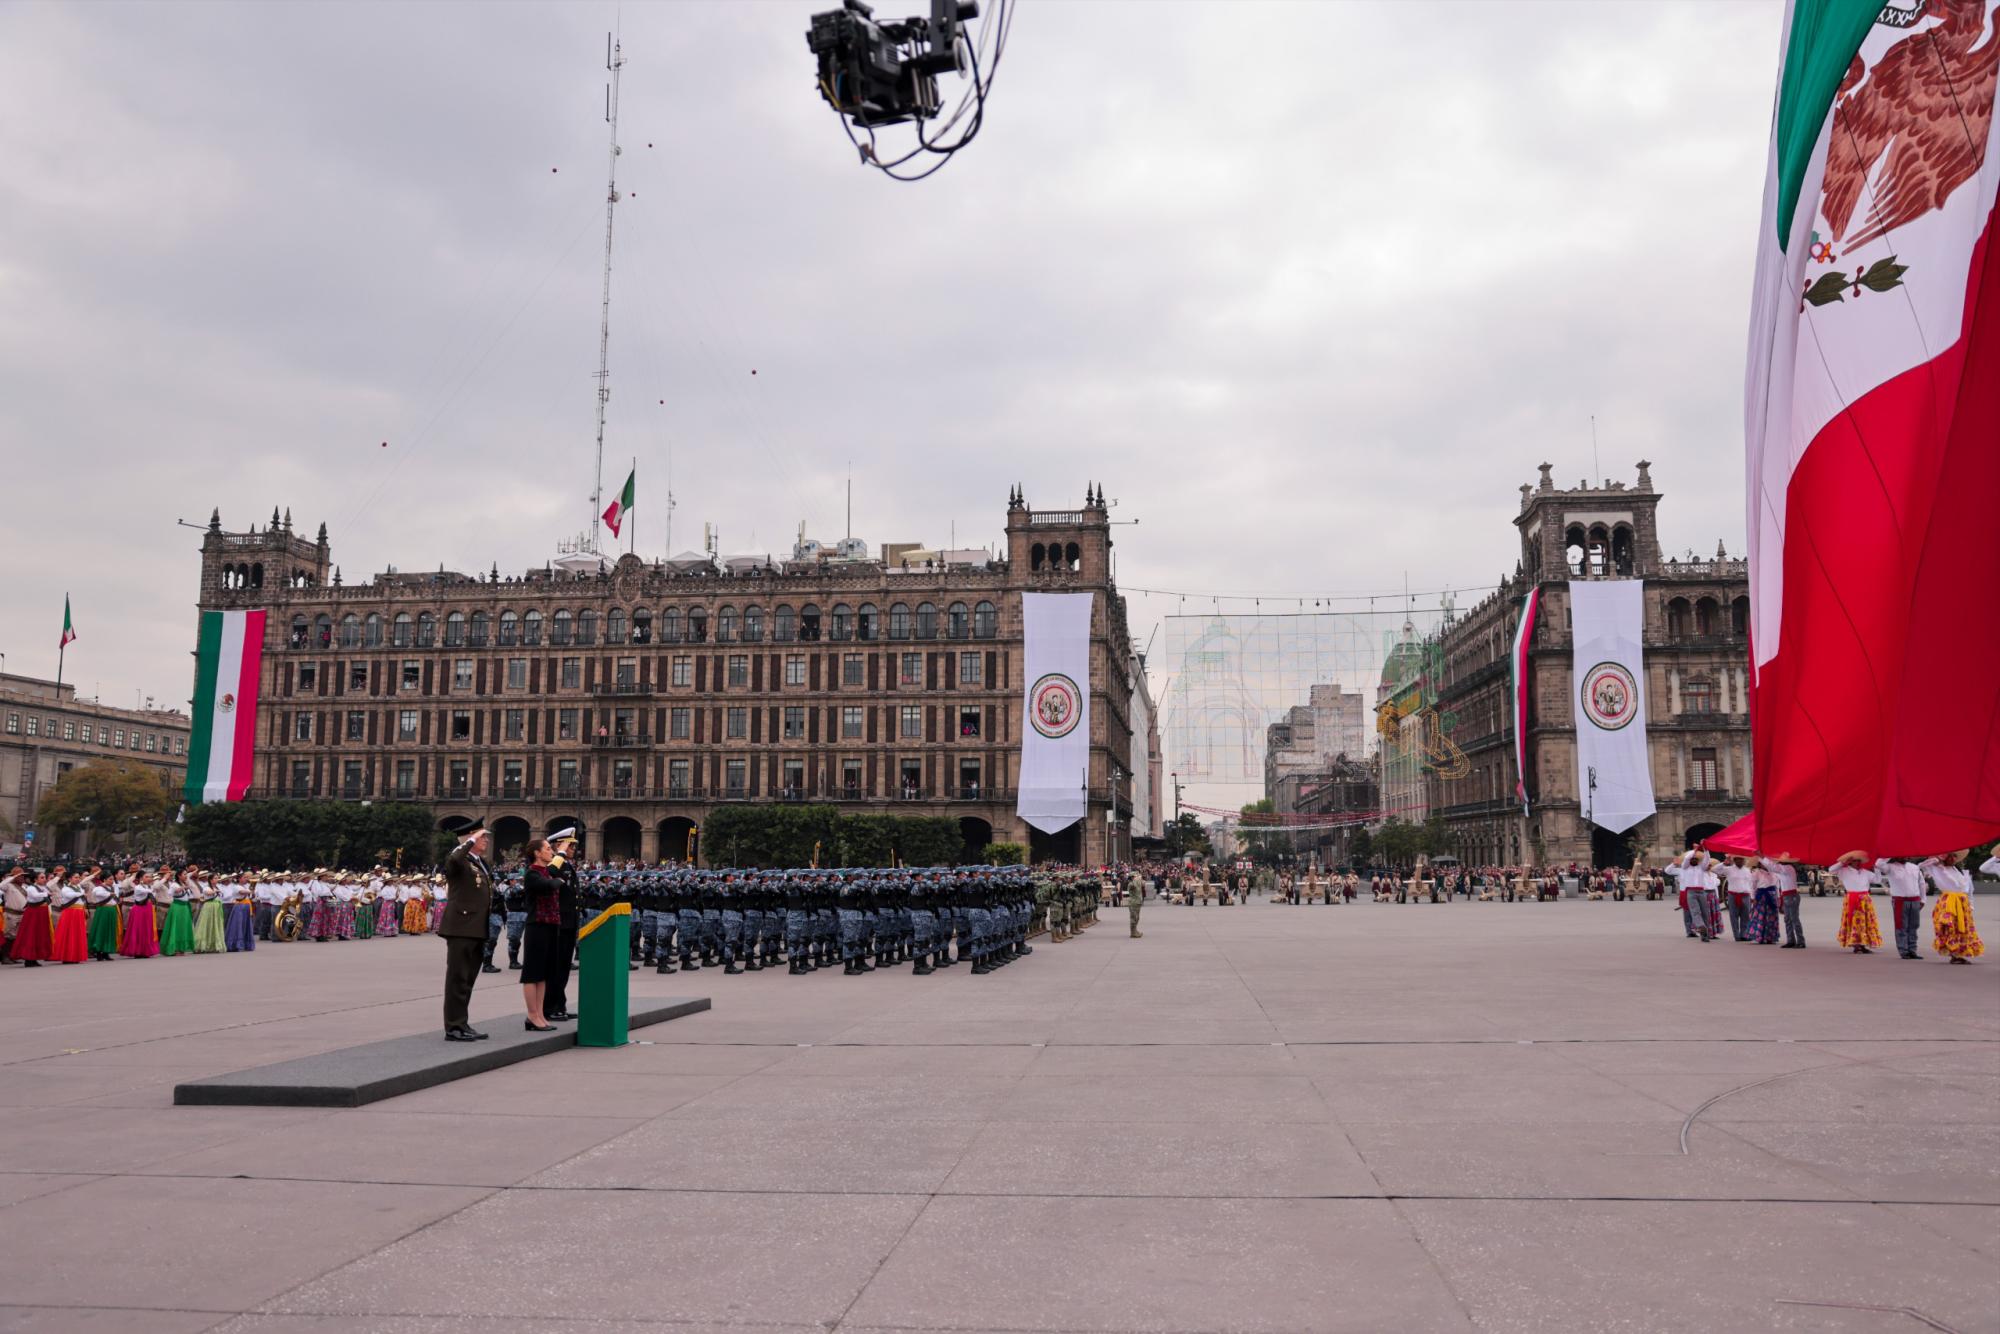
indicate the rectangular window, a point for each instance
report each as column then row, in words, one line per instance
column 461, row 777
column 572, row 673
column 621, row 774
column 850, row 777
column 517, row 673
column 795, row 723
column 912, row 779
column 683, row 671
column 853, row 669
column 912, row 673
column 795, row 778
column 795, row 669
column 680, row 723
column 406, row 725
column 69, row 730
column 968, row 669
column 510, row 778
column 1698, row 696
column 461, row 724
column 736, row 774
column 565, row 724
column 13, row 724
column 1702, row 771
column 406, row 777
column 301, row 778
column 627, row 672
column 461, row 674
column 180, row 745
column 850, row 723
column 413, row 676
column 913, row 720
column 566, row 776
column 739, row 724
column 739, row 669
column 514, row 724
column 302, row 728
column 677, row 778
column 357, row 725
column 968, row 780
column 357, row 676
column 119, row 735
column 968, row 720
column 152, row 742
column 34, row 725
column 350, row 779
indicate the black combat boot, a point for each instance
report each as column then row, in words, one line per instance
column 980, row 966
column 666, row 963
column 853, row 968
column 513, row 956
column 798, row 968
column 923, row 966
column 690, row 963
column 487, row 965
column 753, row 964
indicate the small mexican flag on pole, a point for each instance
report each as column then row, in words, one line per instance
column 614, row 514
column 69, row 627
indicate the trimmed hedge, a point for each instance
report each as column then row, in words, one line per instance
column 339, row 834
column 787, row 835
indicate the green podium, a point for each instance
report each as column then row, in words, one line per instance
column 604, row 989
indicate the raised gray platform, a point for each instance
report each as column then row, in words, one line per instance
column 353, row 1076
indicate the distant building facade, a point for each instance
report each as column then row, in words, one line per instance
column 46, row 731
column 634, row 700
column 1697, row 701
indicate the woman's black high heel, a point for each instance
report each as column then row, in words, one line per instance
column 529, row 1024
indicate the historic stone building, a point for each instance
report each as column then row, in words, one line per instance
column 1698, row 723
column 45, row 731
column 633, row 700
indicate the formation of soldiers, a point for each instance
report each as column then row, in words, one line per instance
column 859, row 920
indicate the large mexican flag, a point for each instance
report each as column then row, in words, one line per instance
column 1873, row 431
column 224, row 729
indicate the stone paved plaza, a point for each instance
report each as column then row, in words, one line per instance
column 1481, row 1116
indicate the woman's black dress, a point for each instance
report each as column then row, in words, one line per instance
column 538, row 940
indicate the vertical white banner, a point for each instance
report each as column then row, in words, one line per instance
column 1614, row 777
column 1055, row 711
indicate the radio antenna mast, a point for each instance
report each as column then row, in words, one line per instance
column 614, row 60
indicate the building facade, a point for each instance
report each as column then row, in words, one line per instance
column 46, row 731
column 1696, row 656
column 635, row 698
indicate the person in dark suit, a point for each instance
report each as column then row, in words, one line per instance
column 543, row 935
column 468, row 900
column 563, row 869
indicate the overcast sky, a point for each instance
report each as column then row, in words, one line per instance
column 1310, row 288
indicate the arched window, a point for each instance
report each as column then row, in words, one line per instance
column 783, row 626
column 753, row 625
column 371, row 631
column 670, row 626
column 586, row 627
column 1679, row 617
column 350, row 631
column 300, row 632
column 323, row 632
column 926, row 621
column 843, row 621
column 454, row 629
column 531, row 629
column 1704, row 617
column 481, row 627
column 642, row 626
column 1573, row 548
column 510, row 629
column 809, row 622
column 562, row 628
column 257, row 576
column 1622, row 558
column 985, row 621
column 899, row 621
column 1739, row 617
column 868, row 623
column 957, row 622
column 1073, row 557
column 1035, row 556
column 400, row 634
column 725, row 626
column 426, row 629
column 1599, row 548
column 697, row 625
column 614, row 626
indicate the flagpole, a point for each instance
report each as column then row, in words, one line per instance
column 632, row 542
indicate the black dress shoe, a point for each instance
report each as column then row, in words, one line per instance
column 462, row 1035
column 558, row 1016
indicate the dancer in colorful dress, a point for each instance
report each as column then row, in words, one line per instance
column 142, row 938
column 387, row 908
column 239, row 922
column 72, row 935
column 208, row 932
column 177, row 936
column 1952, row 932
column 34, row 938
column 416, row 908
column 1763, row 904
column 1859, row 931
column 101, row 896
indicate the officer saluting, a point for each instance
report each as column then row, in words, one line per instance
column 468, row 899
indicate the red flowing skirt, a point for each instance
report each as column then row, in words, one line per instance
column 72, row 941
column 34, row 940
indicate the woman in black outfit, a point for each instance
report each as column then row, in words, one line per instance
column 538, row 951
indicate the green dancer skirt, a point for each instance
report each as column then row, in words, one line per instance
column 177, row 936
column 364, row 920
column 208, row 937
column 104, row 929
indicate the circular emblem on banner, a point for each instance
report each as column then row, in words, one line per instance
column 228, row 703
column 1054, row 705
column 1610, row 696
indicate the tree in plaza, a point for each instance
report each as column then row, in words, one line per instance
column 1263, row 840
column 1185, row 835
column 289, row 834
column 1005, row 854
column 1437, row 840
column 1361, row 846
column 117, row 798
column 1397, row 842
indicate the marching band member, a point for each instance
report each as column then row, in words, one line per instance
column 1859, row 930
column 1952, row 932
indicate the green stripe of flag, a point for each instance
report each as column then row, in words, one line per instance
column 208, row 654
column 1824, row 38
